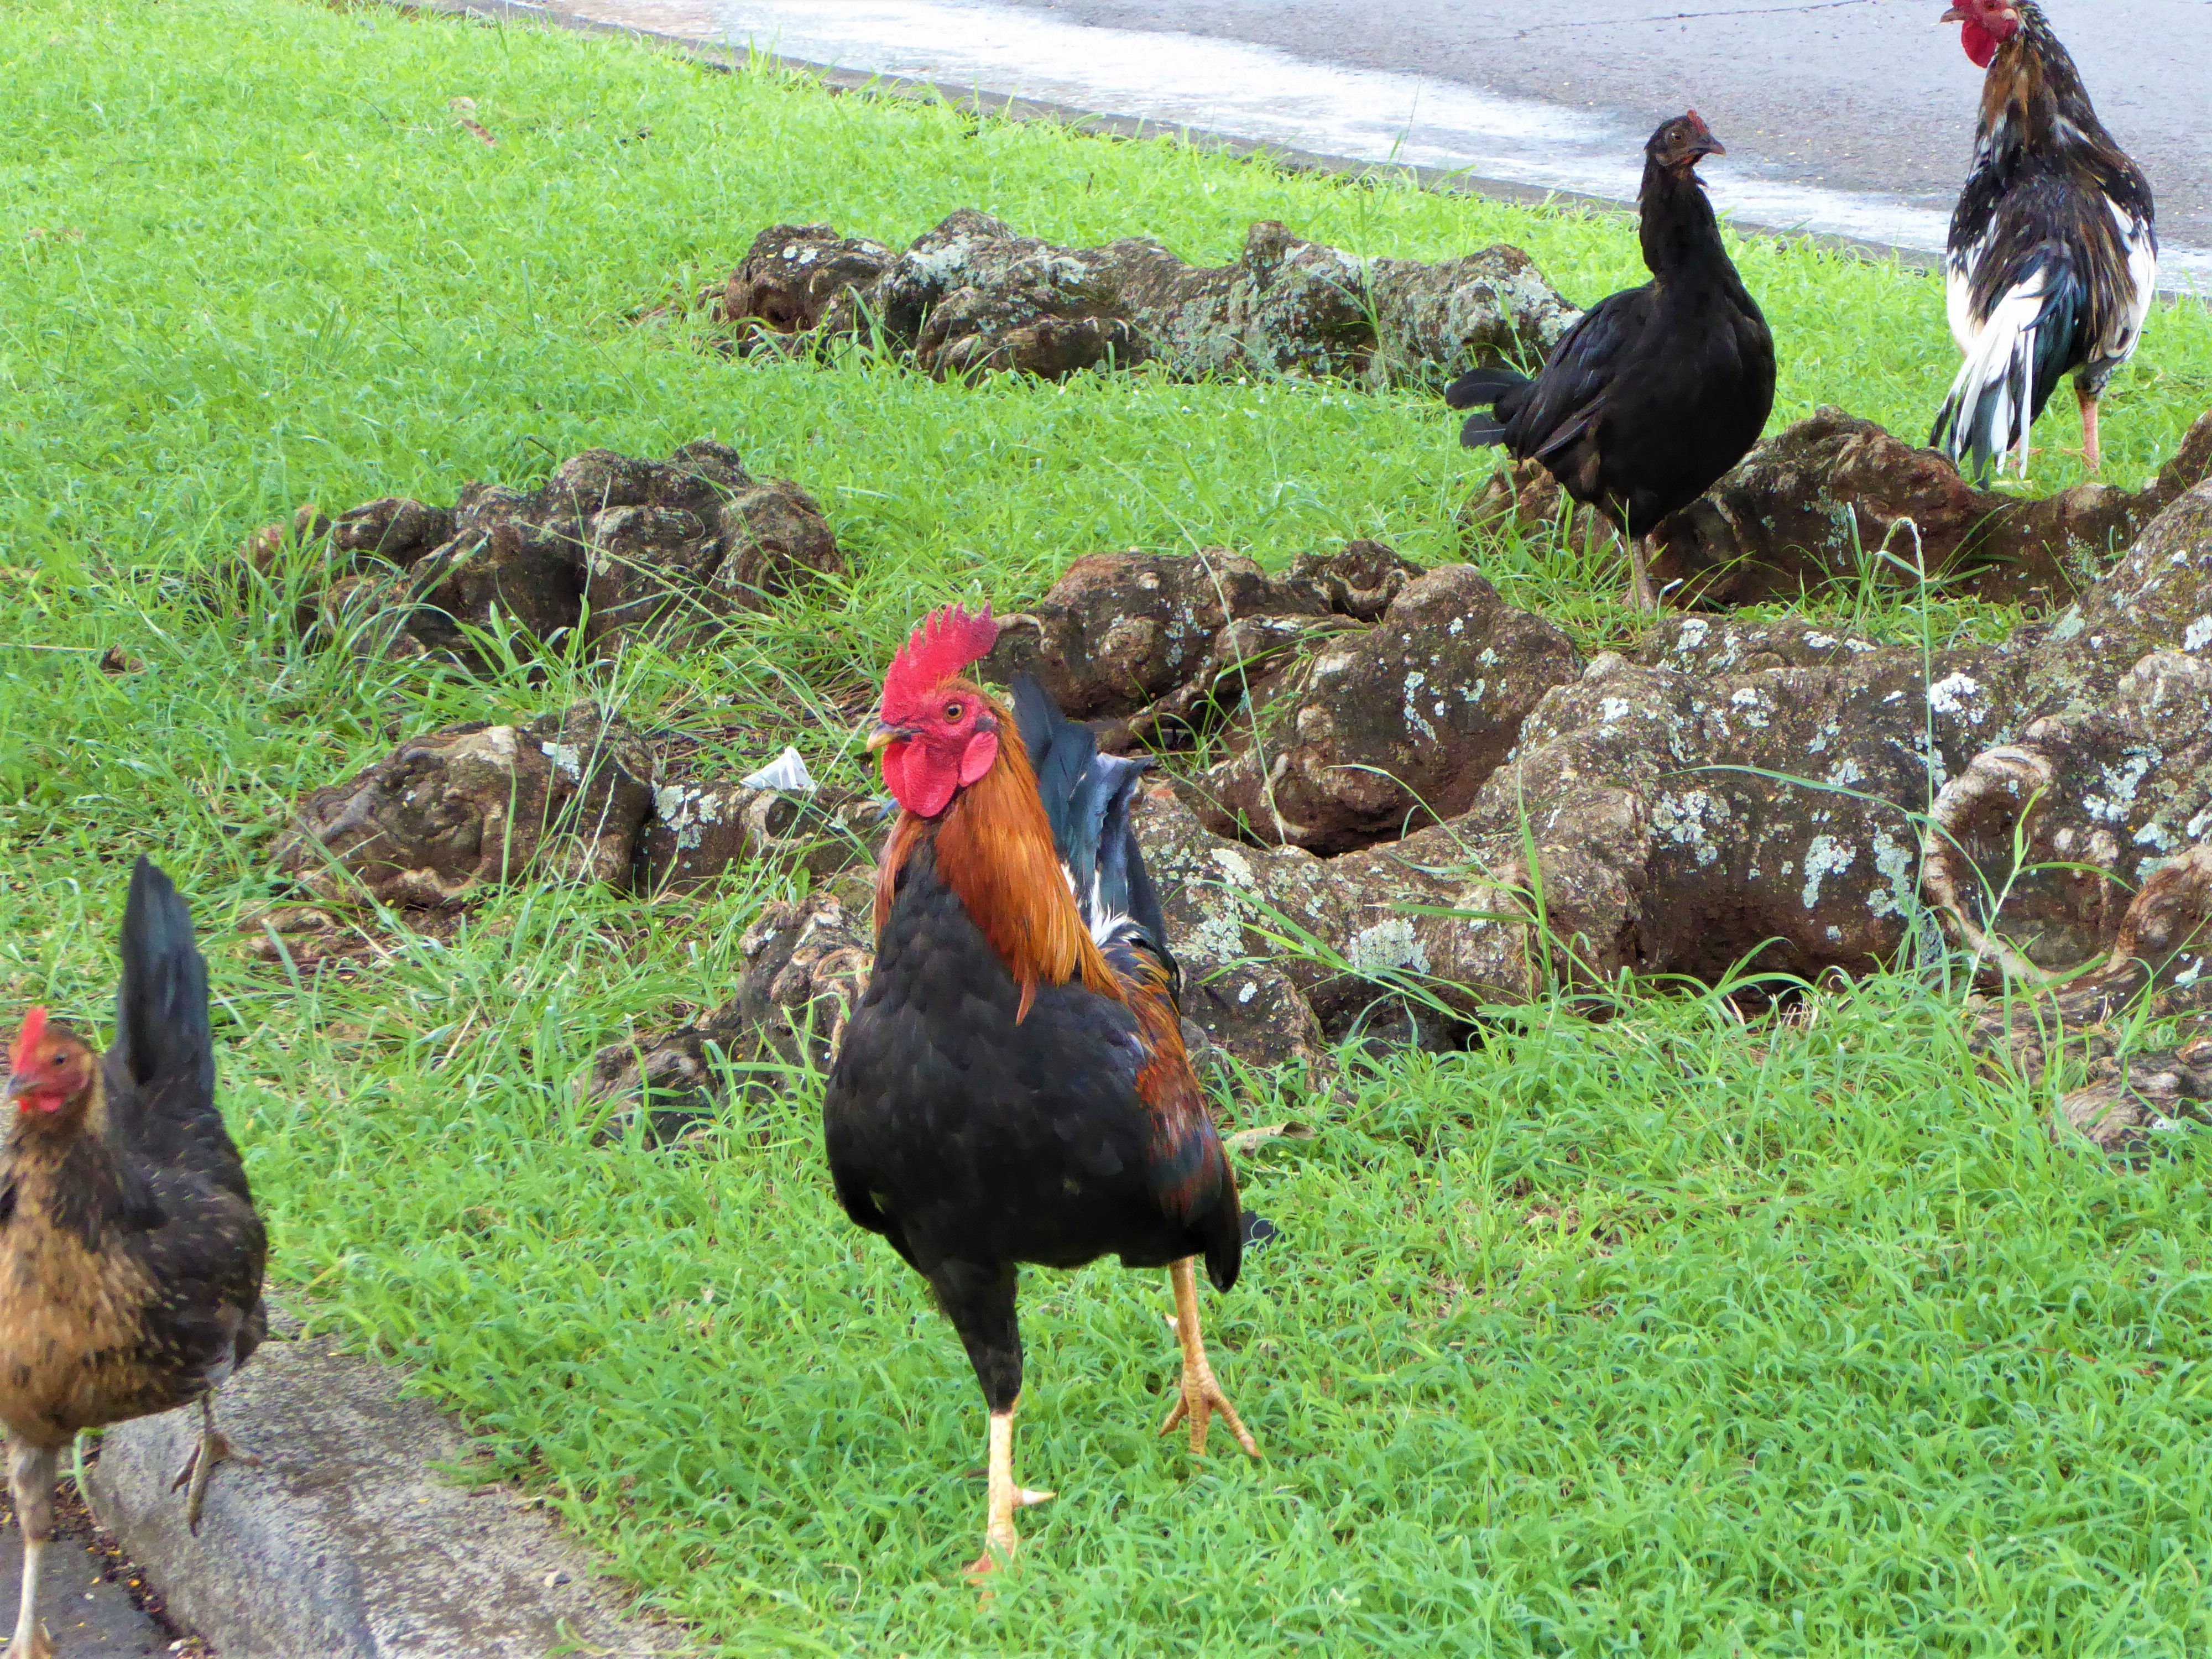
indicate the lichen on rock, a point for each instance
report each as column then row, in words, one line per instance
column 972, row 296
column 620, row 547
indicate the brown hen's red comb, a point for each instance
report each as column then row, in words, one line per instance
column 27, row 1039
column 948, row 639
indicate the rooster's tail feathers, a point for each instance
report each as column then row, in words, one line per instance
column 2023, row 352
column 161, row 1006
column 1086, row 800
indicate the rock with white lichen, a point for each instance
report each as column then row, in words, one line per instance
column 1381, row 730
column 450, row 813
column 973, row 296
column 616, row 547
column 1833, row 500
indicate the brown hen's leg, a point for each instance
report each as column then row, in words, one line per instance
column 31, row 1474
column 2092, row 457
column 213, row 1448
column 1201, row 1396
column 998, row 1539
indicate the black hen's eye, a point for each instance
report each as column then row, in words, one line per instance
column 953, row 711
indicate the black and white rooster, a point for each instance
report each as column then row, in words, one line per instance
column 2053, row 256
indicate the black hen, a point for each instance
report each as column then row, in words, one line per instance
column 2053, row 254
column 131, row 1256
column 1657, row 391
column 1013, row 1086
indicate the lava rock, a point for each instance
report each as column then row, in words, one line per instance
column 2134, row 1103
column 618, row 546
column 1391, row 726
column 697, row 831
column 1835, row 500
column 472, row 806
column 972, row 296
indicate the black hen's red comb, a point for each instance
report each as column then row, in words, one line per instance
column 948, row 639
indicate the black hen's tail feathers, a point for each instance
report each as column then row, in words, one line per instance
column 1482, row 389
column 1086, row 799
column 1479, row 388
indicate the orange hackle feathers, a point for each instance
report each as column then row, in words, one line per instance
column 946, row 641
column 29, row 1039
column 994, row 850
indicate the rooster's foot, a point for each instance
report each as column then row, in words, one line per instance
column 38, row 1646
column 999, row 1540
column 1200, row 1396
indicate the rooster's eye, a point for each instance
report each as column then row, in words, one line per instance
column 952, row 711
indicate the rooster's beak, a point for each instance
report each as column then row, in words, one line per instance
column 883, row 734
column 1958, row 14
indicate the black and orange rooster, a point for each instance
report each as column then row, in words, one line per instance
column 1657, row 391
column 1012, row 1087
column 131, row 1256
column 2053, row 254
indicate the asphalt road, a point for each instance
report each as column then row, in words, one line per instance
column 1851, row 117
column 1870, row 97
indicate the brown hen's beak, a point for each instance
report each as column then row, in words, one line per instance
column 883, row 734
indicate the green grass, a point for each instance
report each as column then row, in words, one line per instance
column 1661, row 1336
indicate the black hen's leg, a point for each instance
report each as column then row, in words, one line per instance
column 979, row 1300
column 1639, row 574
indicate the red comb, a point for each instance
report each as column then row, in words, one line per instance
column 947, row 642
column 27, row 1039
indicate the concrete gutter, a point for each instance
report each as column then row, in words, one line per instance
column 720, row 56
column 345, row 1544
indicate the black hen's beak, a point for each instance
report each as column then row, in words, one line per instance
column 1702, row 142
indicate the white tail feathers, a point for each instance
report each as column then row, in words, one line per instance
column 1993, row 401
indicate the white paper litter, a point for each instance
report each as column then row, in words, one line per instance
column 786, row 771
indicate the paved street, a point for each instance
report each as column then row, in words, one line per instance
column 1853, row 117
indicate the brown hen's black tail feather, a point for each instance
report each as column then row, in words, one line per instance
column 161, row 1006
column 161, row 1066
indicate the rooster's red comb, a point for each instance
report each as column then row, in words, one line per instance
column 28, row 1040
column 948, row 639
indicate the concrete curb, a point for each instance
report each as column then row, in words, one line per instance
column 345, row 1544
column 723, row 56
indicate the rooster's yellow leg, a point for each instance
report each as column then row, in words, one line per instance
column 998, row 1539
column 31, row 1474
column 1200, row 1396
